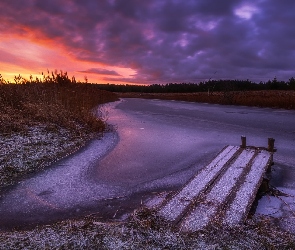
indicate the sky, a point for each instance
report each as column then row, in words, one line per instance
column 149, row 41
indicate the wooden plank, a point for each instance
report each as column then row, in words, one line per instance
column 222, row 192
column 207, row 208
column 245, row 196
column 178, row 204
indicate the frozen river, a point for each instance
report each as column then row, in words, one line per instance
column 158, row 146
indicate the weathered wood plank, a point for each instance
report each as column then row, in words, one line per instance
column 245, row 196
column 178, row 204
column 222, row 192
column 207, row 208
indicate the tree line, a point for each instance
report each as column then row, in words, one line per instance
column 210, row 85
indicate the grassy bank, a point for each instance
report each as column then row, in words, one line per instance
column 44, row 120
column 262, row 98
column 144, row 230
column 56, row 100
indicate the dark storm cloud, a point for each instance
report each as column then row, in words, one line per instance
column 101, row 72
column 167, row 40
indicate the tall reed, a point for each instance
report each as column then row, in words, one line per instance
column 55, row 99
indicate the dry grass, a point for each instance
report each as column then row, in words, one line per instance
column 63, row 103
column 48, row 119
column 145, row 230
column 263, row 98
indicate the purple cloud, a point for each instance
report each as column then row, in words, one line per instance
column 101, row 72
column 166, row 41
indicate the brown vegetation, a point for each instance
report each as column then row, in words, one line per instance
column 42, row 121
column 263, row 98
column 54, row 100
column 145, row 230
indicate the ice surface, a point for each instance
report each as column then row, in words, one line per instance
column 156, row 200
column 66, row 185
column 270, row 206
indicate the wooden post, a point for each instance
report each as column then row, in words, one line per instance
column 271, row 148
column 243, row 138
column 271, row 145
column 264, row 187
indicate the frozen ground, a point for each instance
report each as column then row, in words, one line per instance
column 159, row 146
column 34, row 149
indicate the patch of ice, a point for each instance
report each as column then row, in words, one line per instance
column 156, row 201
column 270, row 206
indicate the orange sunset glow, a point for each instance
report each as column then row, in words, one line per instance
column 26, row 57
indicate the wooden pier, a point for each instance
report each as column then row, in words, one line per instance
column 223, row 191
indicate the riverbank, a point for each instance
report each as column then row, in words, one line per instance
column 262, row 98
column 144, row 230
column 43, row 121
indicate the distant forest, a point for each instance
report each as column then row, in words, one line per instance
column 210, row 85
